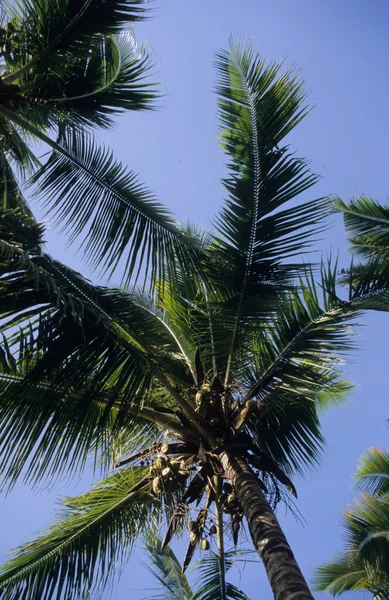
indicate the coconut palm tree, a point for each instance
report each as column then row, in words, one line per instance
column 203, row 388
column 364, row 563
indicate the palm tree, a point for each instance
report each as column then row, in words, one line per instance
column 364, row 564
column 203, row 387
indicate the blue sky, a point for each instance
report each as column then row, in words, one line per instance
column 342, row 51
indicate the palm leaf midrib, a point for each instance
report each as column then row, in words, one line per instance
column 256, row 186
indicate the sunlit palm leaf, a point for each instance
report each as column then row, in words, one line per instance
column 210, row 582
column 165, row 567
column 340, row 576
column 92, row 195
column 367, row 529
column 174, row 584
column 367, row 225
column 364, row 564
column 48, row 30
column 76, row 555
column 258, row 108
column 293, row 370
column 372, row 475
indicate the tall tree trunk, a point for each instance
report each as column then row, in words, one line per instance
column 283, row 572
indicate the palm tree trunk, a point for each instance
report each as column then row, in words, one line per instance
column 283, row 572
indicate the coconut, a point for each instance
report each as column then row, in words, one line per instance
column 204, row 544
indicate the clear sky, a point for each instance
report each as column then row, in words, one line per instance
column 342, row 50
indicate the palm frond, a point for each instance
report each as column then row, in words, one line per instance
column 93, row 196
column 372, row 475
column 258, row 108
column 16, row 152
column 364, row 563
column 210, row 581
column 75, row 370
column 368, row 284
column 11, row 196
column 292, row 369
column 48, row 30
column 175, row 585
column 367, row 225
column 367, row 529
column 339, row 576
column 79, row 553
column 106, row 80
column 165, row 567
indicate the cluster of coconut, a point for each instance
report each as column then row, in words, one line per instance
column 167, row 473
column 194, row 534
column 228, row 499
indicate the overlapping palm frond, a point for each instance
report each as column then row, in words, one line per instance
column 364, row 563
column 259, row 107
column 293, row 369
column 367, row 225
column 372, row 475
column 76, row 554
column 107, row 79
column 165, row 567
column 341, row 575
column 47, row 31
column 77, row 360
column 10, row 193
column 66, row 64
column 69, row 66
column 95, row 197
column 175, row 585
column 210, row 583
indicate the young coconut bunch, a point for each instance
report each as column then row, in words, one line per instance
column 205, row 392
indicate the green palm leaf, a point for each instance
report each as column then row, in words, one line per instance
column 48, row 31
column 258, row 108
column 367, row 225
column 364, row 564
column 210, row 583
column 10, row 193
column 367, row 529
column 93, row 196
column 292, row 369
column 76, row 554
column 372, row 475
column 63, row 392
column 339, row 576
column 108, row 78
column 166, row 568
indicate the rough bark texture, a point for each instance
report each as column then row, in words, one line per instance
column 284, row 574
